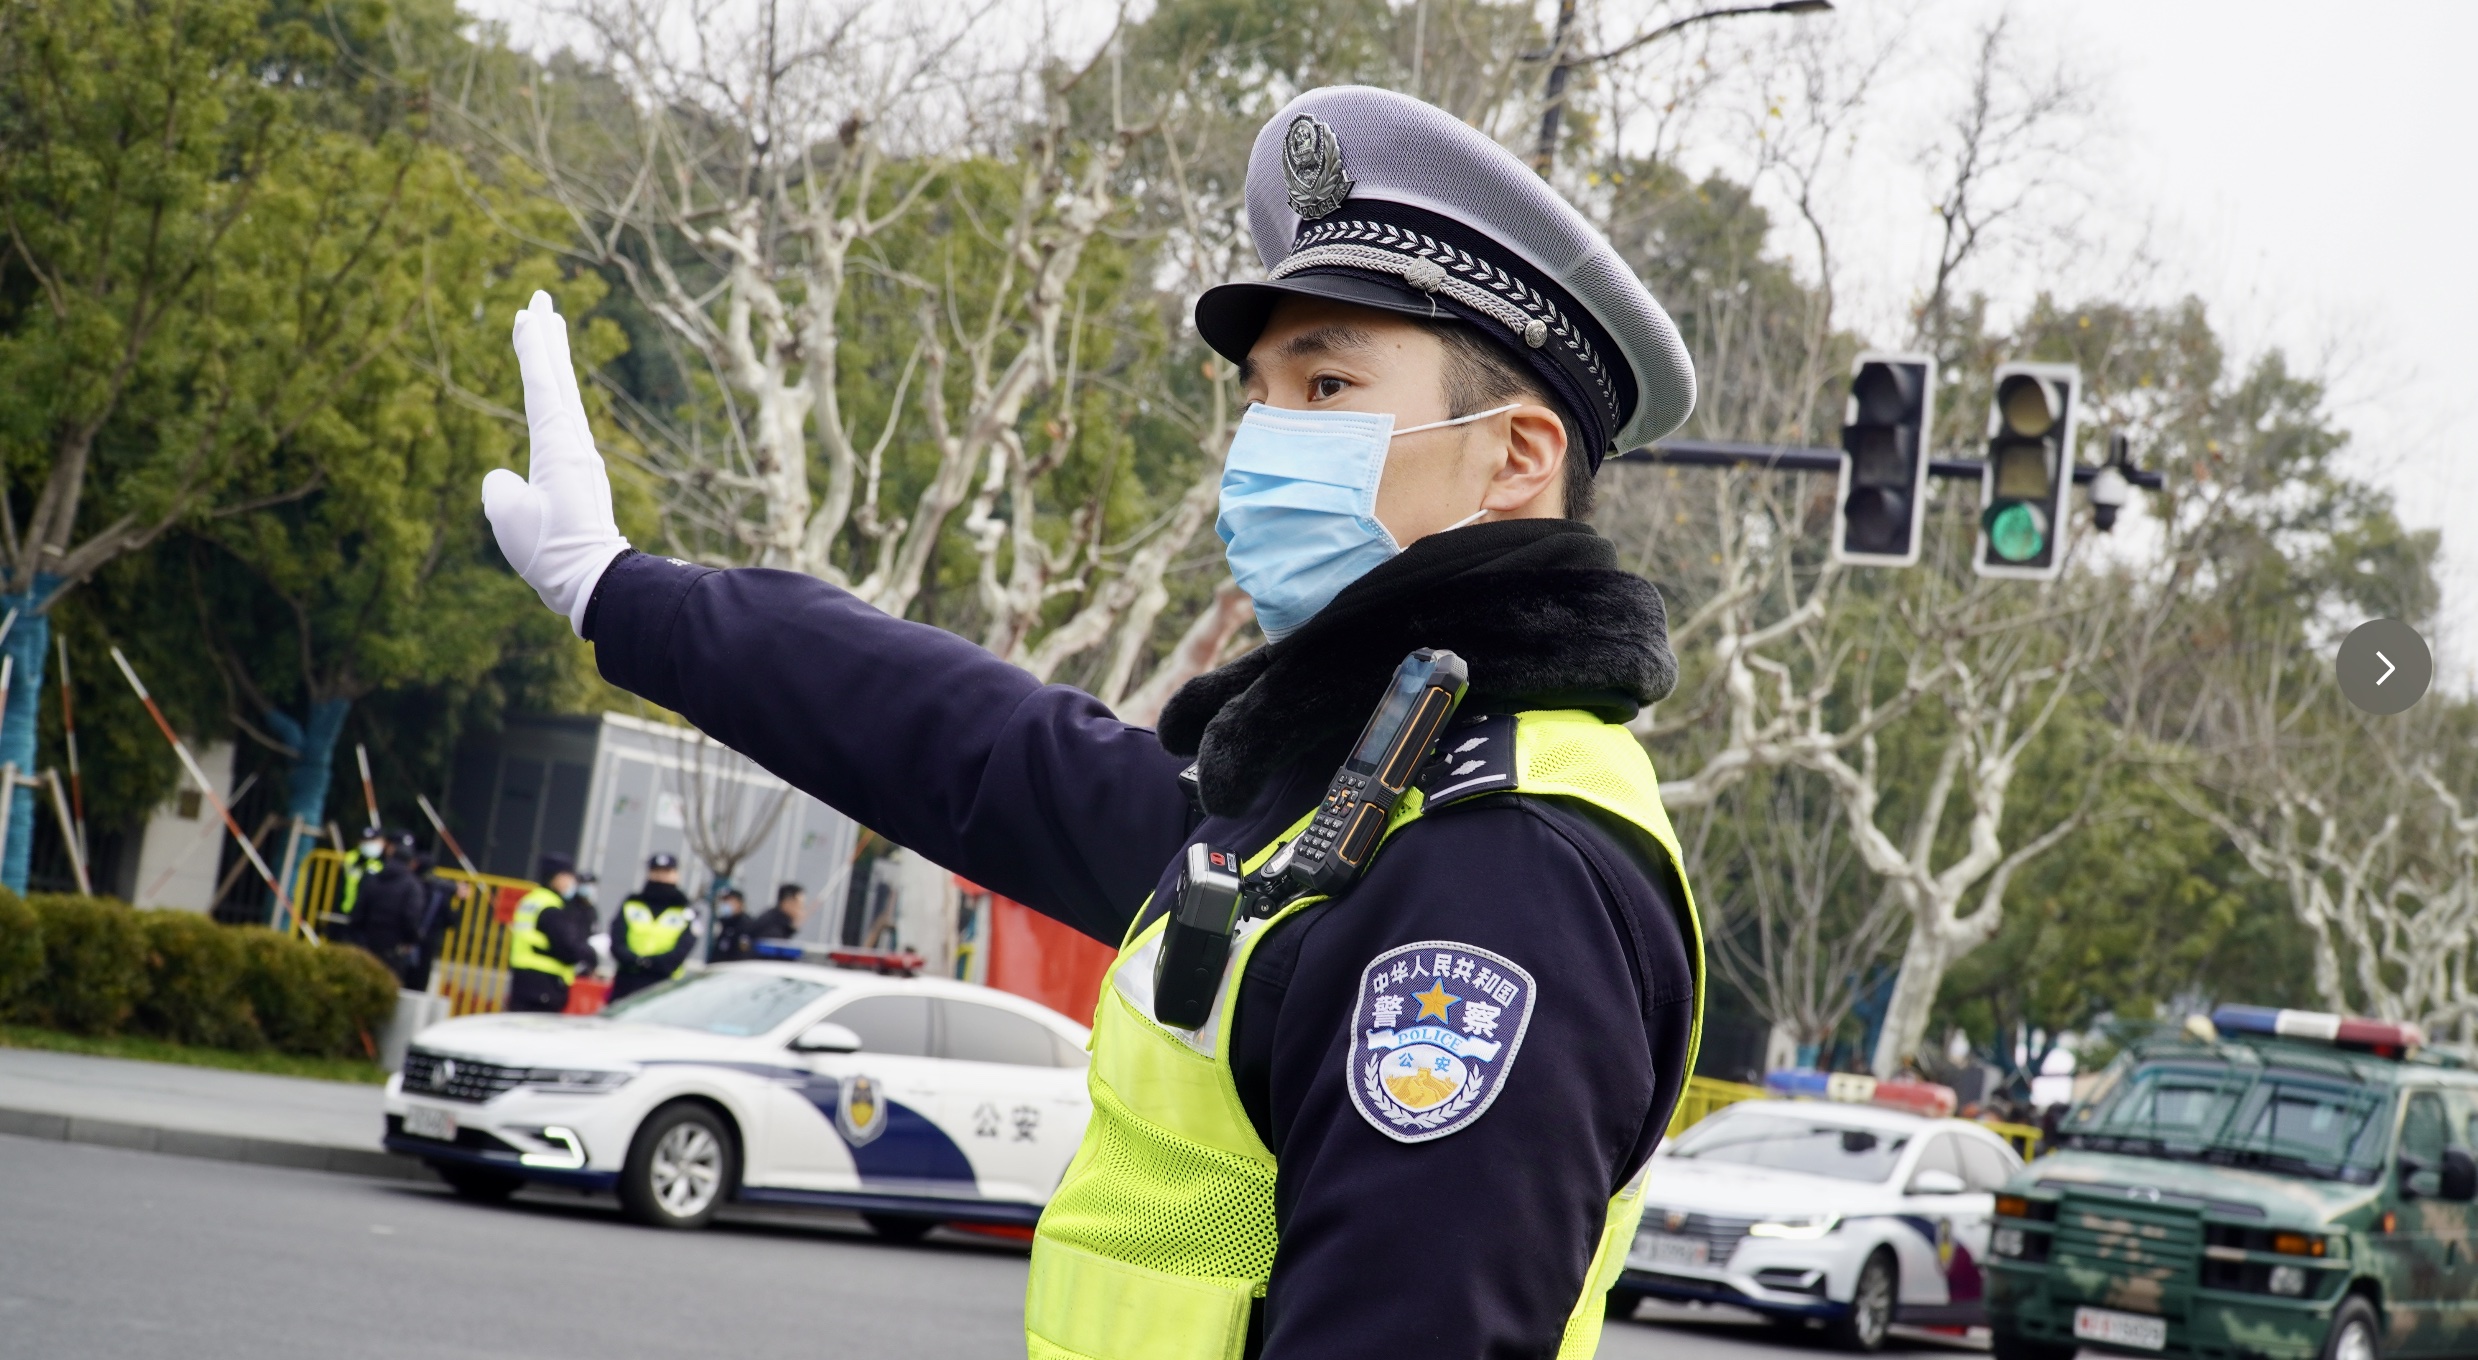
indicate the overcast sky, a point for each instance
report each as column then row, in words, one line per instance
column 2315, row 171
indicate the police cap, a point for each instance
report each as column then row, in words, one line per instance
column 662, row 859
column 555, row 865
column 1374, row 198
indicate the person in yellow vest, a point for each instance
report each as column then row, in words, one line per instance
column 1416, row 1115
column 549, row 939
column 366, row 861
column 655, row 932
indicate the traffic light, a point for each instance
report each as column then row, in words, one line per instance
column 1884, row 437
column 2030, row 471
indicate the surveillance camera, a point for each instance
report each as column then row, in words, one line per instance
column 2109, row 492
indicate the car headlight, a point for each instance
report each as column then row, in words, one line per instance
column 579, row 1080
column 2007, row 1241
column 1796, row 1229
column 2289, row 1280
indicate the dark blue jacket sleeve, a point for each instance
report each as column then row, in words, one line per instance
column 1475, row 1244
column 1034, row 791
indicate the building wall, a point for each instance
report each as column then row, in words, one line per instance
column 1040, row 960
column 181, row 848
column 613, row 790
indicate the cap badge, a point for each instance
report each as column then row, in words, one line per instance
column 1312, row 168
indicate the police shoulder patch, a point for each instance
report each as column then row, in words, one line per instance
column 1433, row 1033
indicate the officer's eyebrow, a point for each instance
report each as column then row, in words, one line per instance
column 1338, row 338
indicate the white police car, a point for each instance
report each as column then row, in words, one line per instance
column 914, row 1101
column 1856, row 1216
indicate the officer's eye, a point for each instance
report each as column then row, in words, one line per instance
column 1327, row 387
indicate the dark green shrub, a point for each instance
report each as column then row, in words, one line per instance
column 315, row 1000
column 361, row 996
column 21, row 949
column 196, row 971
column 281, row 990
column 94, row 964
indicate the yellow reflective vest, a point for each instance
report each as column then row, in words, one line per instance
column 528, row 945
column 1161, row 1235
column 357, row 866
column 651, row 933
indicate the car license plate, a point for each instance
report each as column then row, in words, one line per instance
column 2120, row 1329
column 420, row 1121
column 1668, row 1249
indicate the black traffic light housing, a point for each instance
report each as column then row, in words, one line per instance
column 1885, row 437
column 2030, row 471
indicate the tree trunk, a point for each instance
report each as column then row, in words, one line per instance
column 28, row 646
column 308, row 778
column 1914, row 997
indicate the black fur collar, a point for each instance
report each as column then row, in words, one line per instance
column 1538, row 609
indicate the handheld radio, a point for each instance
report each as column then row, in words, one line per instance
column 1325, row 858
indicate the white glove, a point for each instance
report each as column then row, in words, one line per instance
column 556, row 529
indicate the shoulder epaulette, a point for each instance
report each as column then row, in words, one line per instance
column 1472, row 759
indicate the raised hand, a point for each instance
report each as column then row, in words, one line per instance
column 556, row 526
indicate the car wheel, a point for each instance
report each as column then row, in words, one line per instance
column 2355, row 1333
column 899, row 1227
column 478, row 1182
column 681, row 1167
column 1623, row 1303
column 1871, row 1307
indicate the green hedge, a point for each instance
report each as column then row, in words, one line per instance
column 21, row 950
column 95, row 965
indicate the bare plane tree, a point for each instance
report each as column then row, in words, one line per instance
column 1793, row 927
column 862, row 234
column 2360, row 824
column 730, row 805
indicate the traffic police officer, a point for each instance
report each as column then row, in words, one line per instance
column 547, row 941
column 366, row 860
column 654, row 936
column 1416, row 1117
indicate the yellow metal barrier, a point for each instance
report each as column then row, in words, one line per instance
column 2024, row 1137
column 1702, row 1096
column 471, row 970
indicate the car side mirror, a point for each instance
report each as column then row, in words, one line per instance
column 1934, row 1182
column 827, row 1037
column 2460, row 1176
column 2419, row 1180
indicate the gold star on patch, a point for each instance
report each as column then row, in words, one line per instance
column 1433, row 1001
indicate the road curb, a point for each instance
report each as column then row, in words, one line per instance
column 220, row 1147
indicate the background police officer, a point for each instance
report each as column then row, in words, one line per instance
column 655, row 930
column 547, row 942
column 387, row 917
column 367, row 857
column 1419, row 1113
column 783, row 920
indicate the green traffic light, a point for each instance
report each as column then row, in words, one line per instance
column 2018, row 531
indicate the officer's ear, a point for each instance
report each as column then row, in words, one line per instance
column 1528, row 482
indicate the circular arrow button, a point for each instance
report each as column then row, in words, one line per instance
column 2384, row 666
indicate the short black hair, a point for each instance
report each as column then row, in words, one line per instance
column 787, row 892
column 1481, row 372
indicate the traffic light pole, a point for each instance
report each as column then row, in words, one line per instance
column 1783, row 458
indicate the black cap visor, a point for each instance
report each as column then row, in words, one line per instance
column 1232, row 315
column 1230, row 318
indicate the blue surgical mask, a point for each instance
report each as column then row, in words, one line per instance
column 1299, row 506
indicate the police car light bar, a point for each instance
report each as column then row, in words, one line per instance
column 2384, row 1037
column 892, row 962
column 1918, row 1097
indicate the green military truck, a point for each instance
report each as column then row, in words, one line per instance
column 2270, row 1185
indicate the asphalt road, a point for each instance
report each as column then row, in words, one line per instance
column 129, row 1256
